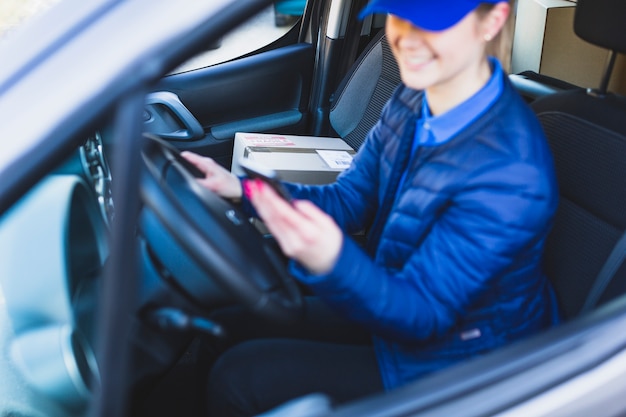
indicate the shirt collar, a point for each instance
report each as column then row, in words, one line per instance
column 435, row 130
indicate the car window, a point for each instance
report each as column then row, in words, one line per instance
column 14, row 13
column 263, row 29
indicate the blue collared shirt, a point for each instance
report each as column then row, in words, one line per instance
column 435, row 130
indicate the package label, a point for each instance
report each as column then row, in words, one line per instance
column 335, row 159
column 268, row 140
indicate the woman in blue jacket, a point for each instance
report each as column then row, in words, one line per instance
column 456, row 188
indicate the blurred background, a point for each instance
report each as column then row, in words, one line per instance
column 14, row 12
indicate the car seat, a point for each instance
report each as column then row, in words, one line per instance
column 365, row 89
column 586, row 129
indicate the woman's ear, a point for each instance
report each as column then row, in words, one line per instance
column 495, row 20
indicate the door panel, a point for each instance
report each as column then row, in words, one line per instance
column 267, row 92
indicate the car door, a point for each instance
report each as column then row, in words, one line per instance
column 283, row 86
column 267, row 89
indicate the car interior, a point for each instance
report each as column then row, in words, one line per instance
column 190, row 242
column 585, row 252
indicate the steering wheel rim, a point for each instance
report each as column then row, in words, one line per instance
column 217, row 236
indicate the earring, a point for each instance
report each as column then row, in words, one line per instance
column 488, row 37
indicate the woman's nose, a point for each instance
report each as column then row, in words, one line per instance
column 412, row 38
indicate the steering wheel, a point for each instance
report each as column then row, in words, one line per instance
column 215, row 255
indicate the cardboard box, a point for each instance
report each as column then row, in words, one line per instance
column 545, row 42
column 304, row 159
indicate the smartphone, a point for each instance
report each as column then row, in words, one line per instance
column 255, row 170
column 269, row 176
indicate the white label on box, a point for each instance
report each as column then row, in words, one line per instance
column 335, row 159
column 267, row 140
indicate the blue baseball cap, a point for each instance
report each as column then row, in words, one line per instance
column 433, row 15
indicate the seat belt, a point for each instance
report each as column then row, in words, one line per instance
column 353, row 31
column 607, row 272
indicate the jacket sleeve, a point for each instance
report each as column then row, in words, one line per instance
column 493, row 220
column 353, row 199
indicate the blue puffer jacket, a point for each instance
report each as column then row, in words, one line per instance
column 453, row 268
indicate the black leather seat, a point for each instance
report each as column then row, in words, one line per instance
column 587, row 132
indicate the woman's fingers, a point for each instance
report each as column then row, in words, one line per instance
column 216, row 178
column 196, row 160
column 303, row 231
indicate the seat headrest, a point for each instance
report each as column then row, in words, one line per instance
column 601, row 22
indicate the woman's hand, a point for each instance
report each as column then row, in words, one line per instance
column 303, row 231
column 216, row 178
